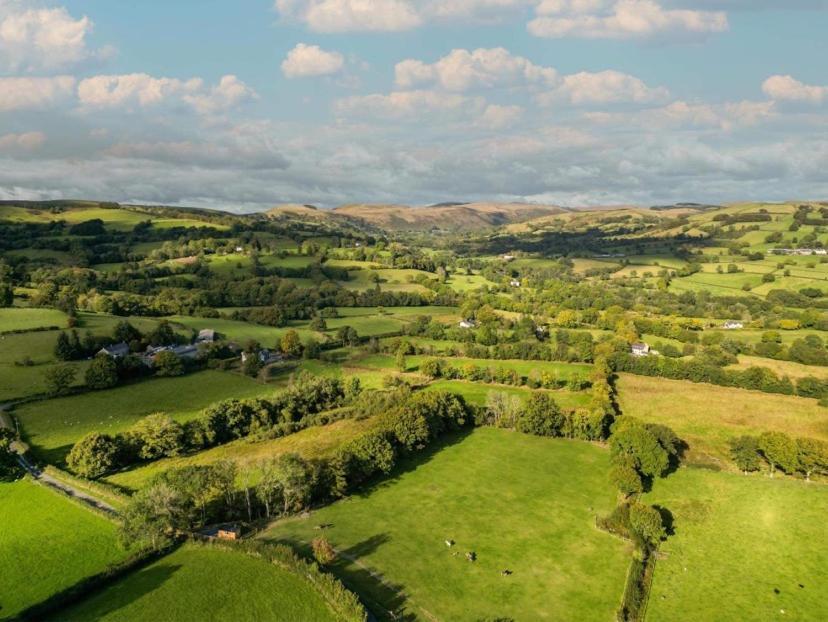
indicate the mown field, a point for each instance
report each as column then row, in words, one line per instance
column 53, row 426
column 200, row 583
column 706, row 416
column 521, row 503
column 47, row 544
column 744, row 548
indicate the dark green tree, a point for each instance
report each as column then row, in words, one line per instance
column 167, row 364
column 102, row 373
column 59, row 379
column 93, row 456
column 780, row 451
column 745, row 453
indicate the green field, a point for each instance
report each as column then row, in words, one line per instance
column 744, row 548
column 706, row 416
column 521, row 503
column 13, row 319
column 524, row 368
column 204, row 583
column 47, row 544
column 239, row 331
column 53, row 426
column 314, row 442
column 18, row 380
column 477, row 392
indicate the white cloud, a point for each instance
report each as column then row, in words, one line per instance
column 140, row 89
column 496, row 68
column 603, row 87
column 689, row 116
column 28, row 141
column 498, row 117
column 394, row 15
column 227, row 94
column 32, row 93
column 787, row 88
column 461, row 70
column 132, row 89
column 42, row 39
column 311, row 60
column 407, row 104
column 215, row 154
column 622, row 19
column 351, row 15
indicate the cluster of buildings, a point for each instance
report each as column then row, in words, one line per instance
column 185, row 351
column 798, row 251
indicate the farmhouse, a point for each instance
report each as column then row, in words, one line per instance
column 206, row 335
column 733, row 325
column 514, row 283
column 467, row 324
column 116, row 351
column 639, row 349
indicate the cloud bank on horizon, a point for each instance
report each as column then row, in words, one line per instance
column 573, row 102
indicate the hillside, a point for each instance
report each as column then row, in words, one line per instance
column 448, row 217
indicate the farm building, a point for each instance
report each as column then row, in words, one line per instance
column 189, row 351
column 639, row 349
column 467, row 324
column 514, row 283
column 206, row 335
column 116, row 351
column 733, row 325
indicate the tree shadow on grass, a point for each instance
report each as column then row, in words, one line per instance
column 125, row 592
column 412, row 461
column 386, row 600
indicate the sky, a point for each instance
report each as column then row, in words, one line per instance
column 248, row 104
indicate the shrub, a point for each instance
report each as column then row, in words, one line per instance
column 323, row 552
column 541, row 416
column 94, row 455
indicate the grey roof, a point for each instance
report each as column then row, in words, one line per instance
column 188, row 351
column 115, row 349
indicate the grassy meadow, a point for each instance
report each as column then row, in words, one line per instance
column 18, row 319
column 707, row 416
column 52, row 426
column 201, row 583
column 477, row 392
column 744, row 548
column 47, row 544
column 521, row 503
column 314, row 442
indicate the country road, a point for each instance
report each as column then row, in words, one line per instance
column 45, row 478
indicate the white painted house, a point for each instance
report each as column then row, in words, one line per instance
column 733, row 325
column 639, row 349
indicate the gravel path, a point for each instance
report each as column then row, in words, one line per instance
column 48, row 480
